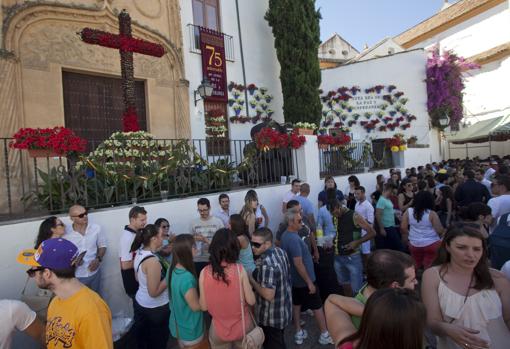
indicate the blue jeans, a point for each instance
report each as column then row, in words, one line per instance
column 349, row 270
column 392, row 240
column 93, row 282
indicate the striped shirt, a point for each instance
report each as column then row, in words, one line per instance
column 273, row 271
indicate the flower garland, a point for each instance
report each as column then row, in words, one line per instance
column 269, row 138
column 445, row 85
column 216, row 123
column 124, row 43
column 339, row 140
column 259, row 101
column 59, row 139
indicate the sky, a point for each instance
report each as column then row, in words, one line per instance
column 369, row 21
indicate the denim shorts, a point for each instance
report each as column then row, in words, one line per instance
column 349, row 270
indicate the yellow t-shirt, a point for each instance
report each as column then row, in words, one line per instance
column 83, row 321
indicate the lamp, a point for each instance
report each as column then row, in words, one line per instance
column 205, row 89
column 444, row 120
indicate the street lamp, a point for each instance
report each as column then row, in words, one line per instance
column 444, row 120
column 205, row 89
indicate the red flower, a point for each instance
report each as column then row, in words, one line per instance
column 59, row 139
column 341, row 139
column 269, row 138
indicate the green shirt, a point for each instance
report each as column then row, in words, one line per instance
column 388, row 215
column 191, row 323
column 356, row 320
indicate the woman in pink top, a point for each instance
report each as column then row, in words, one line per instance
column 221, row 284
column 403, row 329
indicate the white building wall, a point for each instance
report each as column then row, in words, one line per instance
column 261, row 65
column 486, row 93
column 406, row 71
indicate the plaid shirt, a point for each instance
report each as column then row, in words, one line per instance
column 273, row 271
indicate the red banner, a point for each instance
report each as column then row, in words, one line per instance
column 214, row 64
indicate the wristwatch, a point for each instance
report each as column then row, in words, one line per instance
column 99, row 258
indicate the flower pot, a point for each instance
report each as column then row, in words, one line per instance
column 304, row 131
column 42, row 153
column 323, row 146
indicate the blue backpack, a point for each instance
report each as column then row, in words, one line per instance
column 499, row 243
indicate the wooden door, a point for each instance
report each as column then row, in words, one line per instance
column 93, row 105
column 216, row 131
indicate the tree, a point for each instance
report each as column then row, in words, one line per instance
column 295, row 25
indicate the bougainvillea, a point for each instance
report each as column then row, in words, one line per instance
column 59, row 139
column 445, row 85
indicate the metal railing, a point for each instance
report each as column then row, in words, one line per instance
column 194, row 41
column 356, row 157
column 132, row 171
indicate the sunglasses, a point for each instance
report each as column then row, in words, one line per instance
column 81, row 215
column 256, row 244
column 31, row 272
column 60, row 225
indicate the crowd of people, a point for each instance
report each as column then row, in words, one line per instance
column 352, row 260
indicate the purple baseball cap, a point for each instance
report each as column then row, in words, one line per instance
column 55, row 253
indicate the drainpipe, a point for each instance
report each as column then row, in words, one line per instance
column 242, row 59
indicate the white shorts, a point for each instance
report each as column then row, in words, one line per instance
column 365, row 247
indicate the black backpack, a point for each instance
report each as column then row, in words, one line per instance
column 499, row 243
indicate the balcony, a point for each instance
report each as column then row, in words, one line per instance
column 194, row 40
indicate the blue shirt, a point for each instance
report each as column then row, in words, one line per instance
column 296, row 247
column 324, row 199
column 306, row 205
column 325, row 222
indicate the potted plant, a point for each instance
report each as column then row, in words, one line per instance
column 412, row 140
column 305, row 128
column 47, row 142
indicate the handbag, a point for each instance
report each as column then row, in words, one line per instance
column 37, row 299
column 255, row 338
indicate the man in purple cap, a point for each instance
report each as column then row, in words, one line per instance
column 77, row 316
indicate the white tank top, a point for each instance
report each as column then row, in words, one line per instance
column 142, row 295
column 421, row 233
column 260, row 216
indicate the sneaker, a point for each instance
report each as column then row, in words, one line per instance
column 300, row 336
column 325, row 338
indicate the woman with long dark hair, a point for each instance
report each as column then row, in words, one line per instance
column 445, row 205
column 249, row 211
column 329, row 183
column 421, row 229
column 240, row 230
column 468, row 303
column 151, row 312
column 261, row 216
column 186, row 317
column 403, row 329
column 163, row 226
column 51, row 227
column 477, row 215
column 224, row 289
column 353, row 184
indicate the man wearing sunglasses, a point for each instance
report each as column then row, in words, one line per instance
column 90, row 240
column 77, row 317
column 271, row 281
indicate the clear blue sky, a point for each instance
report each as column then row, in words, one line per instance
column 369, row 21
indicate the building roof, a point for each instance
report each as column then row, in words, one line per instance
column 342, row 39
column 492, row 54
column 368, row 50
column 445, row 19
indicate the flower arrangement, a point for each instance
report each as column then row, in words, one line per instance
column 252, row 88
column 445, row 85
column 269, row 138
column 412, row 140
column 305, row 125
column 240, row 119
column 396, row 143
column 341, row 139
column 59, row 140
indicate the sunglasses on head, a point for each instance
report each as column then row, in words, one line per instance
column 60, row 224
column 31, row 272
column 81, row 215
column 256, row 244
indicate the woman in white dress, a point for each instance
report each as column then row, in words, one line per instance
column 468, row 304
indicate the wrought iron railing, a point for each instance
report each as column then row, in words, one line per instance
column 194, row 41
column 356, row 157
column 124, row 172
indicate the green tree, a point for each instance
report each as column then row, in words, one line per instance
column 295, row 25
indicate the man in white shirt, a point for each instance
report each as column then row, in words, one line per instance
column 365, row 209
column 501, row 203
column 137, row 220
column 491, row 170
column 90, row 240
column 481, row 179
column 16, row 315
column 290, row 195
column 204, row 228
column 223, row 212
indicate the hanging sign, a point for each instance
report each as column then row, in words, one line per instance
column 214, row 64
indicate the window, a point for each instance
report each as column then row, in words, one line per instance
column 206, row 13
